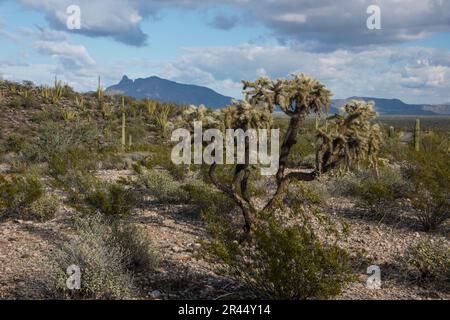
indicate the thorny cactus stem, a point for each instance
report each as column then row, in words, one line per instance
column 391, row 132
column 417, row 135
column 99, row 89
column 350, row 137
column 123, row 124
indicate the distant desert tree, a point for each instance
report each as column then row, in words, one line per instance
column 348, row 139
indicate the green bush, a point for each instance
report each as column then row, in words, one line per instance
column 15, row 103
column 14, row 143
column 309, row 193
column 161, row 157
column 54, row 137
column 43, row 209
column 430, row 177
column 29, row 102
column 101, row 259
column 384, row 189
column 162, row 186
column 138, row 248
column 280, row 262
column 429, row 260
column 206, row 198
column 19, row 192
column 111, row 199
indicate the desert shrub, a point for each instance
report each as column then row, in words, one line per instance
column 72, row 171
column 45, row 115
column 111, row 199
column 206, row 198
column 161, row 185
column 435, row 142
column 42, row 209
column 431, row 209
column 161, row 157
column 384, row 189
column 101, row 259
column 429, row 260
column 15, row 103
column 430, row 177
column 137, row 131
column 29, row 102
column 137, row 245
column 56, row 137
column 280, row 262
column 309, row 193
column 19, row 192
column 14, row 143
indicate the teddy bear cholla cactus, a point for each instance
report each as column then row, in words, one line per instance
column 349, row 138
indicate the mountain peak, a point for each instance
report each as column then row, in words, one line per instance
column 164, row 90
column 125, row 80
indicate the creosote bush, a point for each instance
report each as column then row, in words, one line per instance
column 18, row 193
column 161, row 185
column 111, row 199
column 429, row 260
column 430, row 197
column 385, row 188
column 280, row 261
column 309, row 193
column 206, row 198
column 43, row 209
column 137, row 244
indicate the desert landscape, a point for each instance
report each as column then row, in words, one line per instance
column 87, row 179
column 224, row 158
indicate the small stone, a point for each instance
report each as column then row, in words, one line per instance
column 176, row 249
column 155, row 294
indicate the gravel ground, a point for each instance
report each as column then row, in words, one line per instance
column 180, row 275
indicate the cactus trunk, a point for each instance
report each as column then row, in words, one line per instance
column 123, row 124
column 391, row 132
column 417, row 135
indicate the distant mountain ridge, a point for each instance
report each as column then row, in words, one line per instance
column 169, row 91
column 395, row 107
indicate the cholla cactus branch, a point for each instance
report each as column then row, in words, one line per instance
column 344, row 140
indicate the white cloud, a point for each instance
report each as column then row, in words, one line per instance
column 71, row 56
column 292, row 17
column 331, row 23
column 384, row 72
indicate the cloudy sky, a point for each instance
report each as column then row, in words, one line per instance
column 217, row 43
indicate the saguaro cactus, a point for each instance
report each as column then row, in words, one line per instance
column 99, row 89
column 123, row 124
column 417, row 135
column 391, row 132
